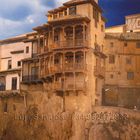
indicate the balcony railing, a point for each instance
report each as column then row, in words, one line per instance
column 99, row 71
column 30, row 78
column 70, row 43
column 2, row 88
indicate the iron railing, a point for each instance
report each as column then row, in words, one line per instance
column 30, row 78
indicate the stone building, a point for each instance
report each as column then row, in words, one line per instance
column 12, row 51
column 123, row 64
column 70, row 61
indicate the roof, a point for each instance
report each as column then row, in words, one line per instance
column 133, row 15
column 15, row 39
column 69, row 18
column 124, row 36
column 73, row 3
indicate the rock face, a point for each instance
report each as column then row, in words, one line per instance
column 51, row 117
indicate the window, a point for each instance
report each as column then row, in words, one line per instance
column 14, row 83
column 138, row 45
column 14, row 107
column 125, row 44
column 9, row 64
column 56, row 38
column 19, row 63
column 72, row 10
column 34, row 73
column 27, row 49
column 111, row 44
column 111, row 59
column 96, row 16
column 60, row 14
column 41, row 42
column 65, row 12
column 5, row 108
column 128, row 61
column 130, row 75
column 111, row 76
column 54, row 16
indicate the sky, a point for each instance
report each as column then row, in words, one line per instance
column 20, row 16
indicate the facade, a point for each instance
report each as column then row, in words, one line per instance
column 69, row 60
column 71, row 55
column 122, row 82
column 12, row 51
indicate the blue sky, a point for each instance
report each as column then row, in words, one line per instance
column 20, row 16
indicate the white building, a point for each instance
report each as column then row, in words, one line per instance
column 12, row 51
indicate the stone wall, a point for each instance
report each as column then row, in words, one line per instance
column 51, row 117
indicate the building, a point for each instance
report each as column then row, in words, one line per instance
column 122, row 82
column 12, row 51
column 70, row 59
column 132, row 24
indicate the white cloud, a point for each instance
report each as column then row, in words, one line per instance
column 60, row 2
column 14, row 21
column 9, row 27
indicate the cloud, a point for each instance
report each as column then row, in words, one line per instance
column 20, row 16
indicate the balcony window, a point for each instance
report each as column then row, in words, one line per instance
column 69, row 33
column 54, row 16
column 79, row 32
column 69, row 58
column 9, row 64
column 79, row 57
column 60, row 14
column 57, row 59
column 14, row 83
column 65, row 12
column 72, row 10
column 56, row 38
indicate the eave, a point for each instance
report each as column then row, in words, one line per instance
column 68, row 19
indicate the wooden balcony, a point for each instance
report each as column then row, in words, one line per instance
column 99, row 71
column 75, row 67
column 59, row 68
column 70, row 44
column 31, row 79
column 98, row 51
